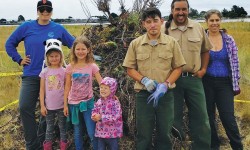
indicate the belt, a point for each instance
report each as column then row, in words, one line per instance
column 187, row 74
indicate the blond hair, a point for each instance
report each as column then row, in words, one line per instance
column 87, row 43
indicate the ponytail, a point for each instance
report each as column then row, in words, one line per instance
column 168, row 23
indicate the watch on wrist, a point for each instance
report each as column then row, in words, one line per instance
column 168, row 83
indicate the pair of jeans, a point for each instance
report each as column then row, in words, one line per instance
column 50, row 120
column 28, row 99
column 149, row 117
column 220, row 95
column 78, row 130
column 190, row 90
column 111, row 143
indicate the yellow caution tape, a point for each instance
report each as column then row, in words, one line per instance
column 5, row 74
column 242, row 101
column 12, row 103
column 16, row 101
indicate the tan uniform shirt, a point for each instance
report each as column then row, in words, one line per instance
column 193, row 41
column 156, row 62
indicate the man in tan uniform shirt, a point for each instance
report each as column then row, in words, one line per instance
column 154, row 60
column 195, row 48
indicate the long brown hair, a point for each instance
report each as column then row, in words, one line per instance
column 87, row 43
column 170, row 18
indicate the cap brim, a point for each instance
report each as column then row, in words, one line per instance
column 44, row 5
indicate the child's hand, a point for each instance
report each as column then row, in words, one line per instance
column 96, row 117
column 66, row 111
column 93, row 117
column 93, row 114
column 43, row 110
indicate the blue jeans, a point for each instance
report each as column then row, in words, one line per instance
column 78, row 131
column 29, row 94
column 111, row 143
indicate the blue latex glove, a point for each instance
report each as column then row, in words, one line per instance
column 159, row 92
column 149, row 84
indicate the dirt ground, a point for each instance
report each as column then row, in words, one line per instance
column 11, row 133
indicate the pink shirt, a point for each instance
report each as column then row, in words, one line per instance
column 54, row 87
column 81, row 87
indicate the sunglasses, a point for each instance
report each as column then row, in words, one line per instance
column 41, row 9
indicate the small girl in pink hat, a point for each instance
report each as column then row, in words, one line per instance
column 108, row 115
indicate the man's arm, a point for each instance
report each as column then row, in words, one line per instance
column 148, row 83
column 134, row 74
column 174, row 75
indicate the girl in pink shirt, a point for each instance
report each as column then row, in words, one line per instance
column 78, row 94
column 51, row 93
column 108, row 115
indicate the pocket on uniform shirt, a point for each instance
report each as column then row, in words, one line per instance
column 194, row 44
column 143, row 61
column 164, row 60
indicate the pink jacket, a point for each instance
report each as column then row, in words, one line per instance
column 111, row 124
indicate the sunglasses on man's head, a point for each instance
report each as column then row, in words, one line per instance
column 41, row 9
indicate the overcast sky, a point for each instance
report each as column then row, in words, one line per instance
column 11, row 9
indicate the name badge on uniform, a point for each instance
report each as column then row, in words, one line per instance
column 153, row 42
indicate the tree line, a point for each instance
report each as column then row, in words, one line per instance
column 235, row 12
